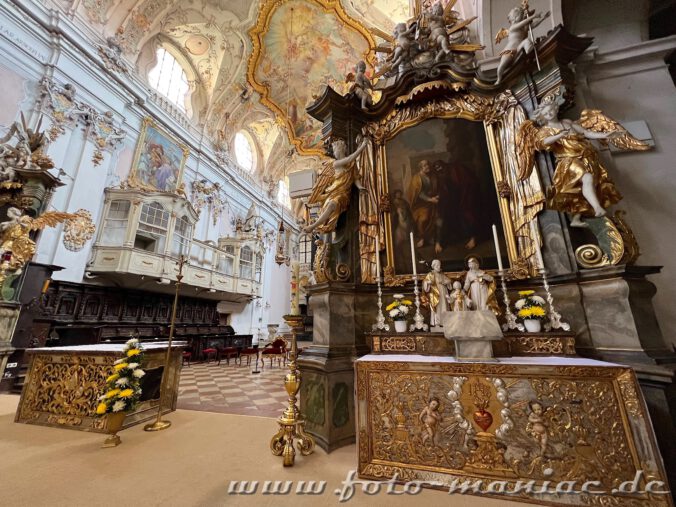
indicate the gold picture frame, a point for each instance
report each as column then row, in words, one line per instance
column 159, row 160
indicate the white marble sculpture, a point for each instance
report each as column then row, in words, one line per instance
column 479, row 285
column 437, row 287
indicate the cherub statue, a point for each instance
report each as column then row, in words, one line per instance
column 404, row 44
column 581, row 185
column 436, row 285
column 480, row 286
column 438, row 34
column 458, row 299
column 536, row 427
column 362, row 85
column 430, row 418
column 332, row 190
column 522, row 20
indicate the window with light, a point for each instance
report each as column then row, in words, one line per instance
column 305, row 249
column 169, row 78
column 246, row 263
column 244, row 151
column 283, row 194
column 182, row 236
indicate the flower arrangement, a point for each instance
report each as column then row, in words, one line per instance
column 399, row 308
column 530, row 306
column 123, row 387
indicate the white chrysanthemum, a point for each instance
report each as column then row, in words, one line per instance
column 138, row 373
column 132, row 342
column 102, row 397
column 122, row 381
column 398, row 296
column 404, row 310
column 519, row 304
column 394, row 312
column 119, row 361
column 118, row 406
column 132, row 366
column 538, row 299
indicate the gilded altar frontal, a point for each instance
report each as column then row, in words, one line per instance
column 384, row 252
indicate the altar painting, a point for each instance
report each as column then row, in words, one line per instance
column 441, row 187
column 159, row 159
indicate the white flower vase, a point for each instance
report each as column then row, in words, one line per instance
column 400, row 326
column 533, row 325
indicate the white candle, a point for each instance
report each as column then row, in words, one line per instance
column 497, row 248
column 536, row 244
column 415, row 272
column 378, row 257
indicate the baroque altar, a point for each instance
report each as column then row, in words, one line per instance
column 429, row 152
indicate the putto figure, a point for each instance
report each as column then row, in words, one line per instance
column 332, row 190
column 430, row 418
column 581, row 185
column 522, row 21
column 362, row 85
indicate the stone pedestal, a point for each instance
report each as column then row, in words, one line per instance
column 9, row 315
column 327, row 391
column 473, row 333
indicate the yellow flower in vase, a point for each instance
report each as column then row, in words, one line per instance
column 120, row 366
column 112, row 393
column 525, row 313
column 113, row 377
column 101, row 408
column 126, row 393
column 392, row 305
column 537, row 311
column 526, row 292
column 133, row 352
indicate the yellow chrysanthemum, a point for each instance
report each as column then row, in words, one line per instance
column 126, row 393
column 113, row 377
column 101, row 409
column 133, row 352
column 537, row 311
column 392, row 306
column 112, row 393
column 407, row 302
column 526, row 292
column 120, row 366
column 525, row 312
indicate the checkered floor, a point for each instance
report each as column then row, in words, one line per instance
column 233, row 389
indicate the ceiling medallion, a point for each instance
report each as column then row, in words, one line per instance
column 299, row 46
column 197, row 45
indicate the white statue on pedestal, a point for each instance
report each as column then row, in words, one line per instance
column 437, row 286
column 480, row 286
column 459, row 301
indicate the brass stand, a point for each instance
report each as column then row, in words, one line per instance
column 291, row 425
column 159, row 424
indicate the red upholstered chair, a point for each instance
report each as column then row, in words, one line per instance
column 275, row 350
column 209, row 354
column 187, row 356
column 248, row 352
column 226, row 353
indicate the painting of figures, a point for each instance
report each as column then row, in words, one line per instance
column 159, row 159
column 441, row 188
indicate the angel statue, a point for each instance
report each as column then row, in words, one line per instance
column 362, row 85
column 15, row 235
column 332, row 190
column 581, row 185
column 518, row 35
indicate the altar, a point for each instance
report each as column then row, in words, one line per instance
column 63, row 384
column 555, row 421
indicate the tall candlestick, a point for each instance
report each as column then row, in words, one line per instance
column 415, row 271
column 378, row 257
column 536, row 244
column 497, row 248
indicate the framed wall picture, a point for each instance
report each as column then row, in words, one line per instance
column 159, row 159
column 442, row 188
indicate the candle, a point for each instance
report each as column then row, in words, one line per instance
column 538, row 254
column 45, row 286
column 295, row 292
column 378, row 257
column 415, row 271
column 497, row 248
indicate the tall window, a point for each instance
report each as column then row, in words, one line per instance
column 244, row 151
column 283, row 194
column 182, row 236
column 169, row 78
column 115, row 226
column 152, row 228
column 246, row 261
column 305, row 249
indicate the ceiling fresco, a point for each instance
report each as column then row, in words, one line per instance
column 240, row 52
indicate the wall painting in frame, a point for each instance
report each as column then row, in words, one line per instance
column 441, row 187
column 158, row 161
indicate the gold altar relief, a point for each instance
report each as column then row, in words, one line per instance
column 507, row 422
column 501, row 117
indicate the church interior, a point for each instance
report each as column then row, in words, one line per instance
column 374, row 252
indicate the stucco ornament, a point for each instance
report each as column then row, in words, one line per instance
column 78, row 230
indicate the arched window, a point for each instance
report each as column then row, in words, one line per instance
column 169, row 78
column 283, row 194
column 244, row 153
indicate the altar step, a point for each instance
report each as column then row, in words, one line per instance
column 19, row 380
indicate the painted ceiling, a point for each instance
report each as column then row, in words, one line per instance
column 257, row 64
